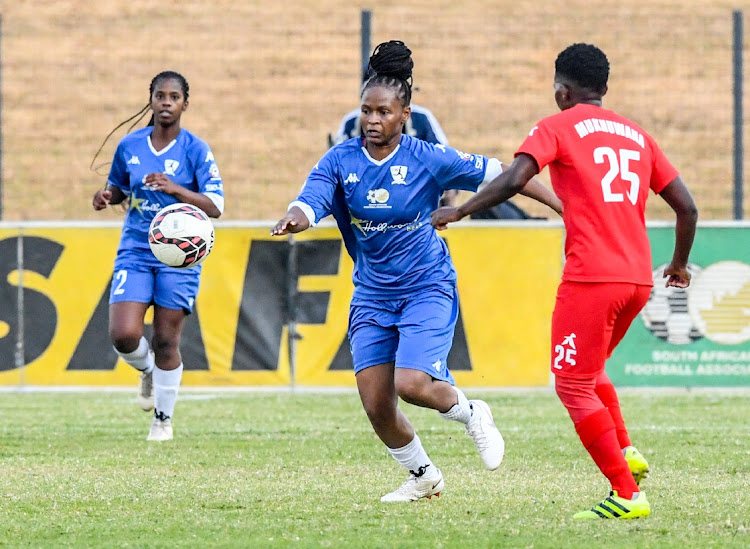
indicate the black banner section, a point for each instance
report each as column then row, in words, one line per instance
column 262, row 308
column 94, row 351
column 316, row 257
column 40, row 314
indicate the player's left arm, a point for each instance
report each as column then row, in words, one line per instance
column 677, row 195
column 160, row 182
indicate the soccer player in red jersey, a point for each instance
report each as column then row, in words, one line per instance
column 602, row 166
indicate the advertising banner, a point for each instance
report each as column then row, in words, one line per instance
column 699, row 336
column 253, row 289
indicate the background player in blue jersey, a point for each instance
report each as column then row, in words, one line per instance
column 153, row 167
column 381, row 189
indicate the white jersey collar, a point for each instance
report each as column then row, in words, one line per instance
column 165, row 149
column 386, row 159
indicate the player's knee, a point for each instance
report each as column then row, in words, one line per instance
column 163, row 345
column 410, row 387
column 124, row 341
column 381, row 412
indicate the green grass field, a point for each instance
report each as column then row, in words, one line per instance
column 305, row 470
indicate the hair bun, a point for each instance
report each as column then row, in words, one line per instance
column 392, row 58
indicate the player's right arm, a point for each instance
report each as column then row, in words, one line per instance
column 677, row 195
column 315, row 200
column 118, row 182
column 500, row 189
column 110, row 196
column 295, row 221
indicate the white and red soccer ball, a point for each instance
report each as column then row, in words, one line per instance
column 181, row 235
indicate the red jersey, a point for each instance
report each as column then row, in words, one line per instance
column 601, row 166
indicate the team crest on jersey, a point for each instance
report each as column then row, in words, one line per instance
column 398, row 173
column 170, row 167
column 377, row 198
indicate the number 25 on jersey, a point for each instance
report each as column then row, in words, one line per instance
column 619, row 165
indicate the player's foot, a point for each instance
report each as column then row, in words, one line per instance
column 146, row 391
column 617, row 507
column 637, row 463
column 161, row 430
column 481, row 428
column 417, row 488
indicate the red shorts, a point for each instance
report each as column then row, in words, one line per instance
column 589, row 320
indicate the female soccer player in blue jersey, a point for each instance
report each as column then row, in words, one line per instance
column 381, row 189
column 153, row 167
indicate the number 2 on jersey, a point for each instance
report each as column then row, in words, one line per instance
column 619, row 167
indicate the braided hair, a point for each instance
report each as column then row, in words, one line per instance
column 584, row 64
column 391, row 67
column 164, row 75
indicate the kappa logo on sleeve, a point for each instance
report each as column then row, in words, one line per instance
column 352, row 178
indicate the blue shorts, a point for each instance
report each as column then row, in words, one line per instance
column 415, row 332
column 141, row 278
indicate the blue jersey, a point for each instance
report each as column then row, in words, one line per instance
column 383, row 207
column 188, row 161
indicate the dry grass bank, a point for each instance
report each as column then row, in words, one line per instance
column 270, row 79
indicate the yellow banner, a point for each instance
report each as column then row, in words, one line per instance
column 238, row 334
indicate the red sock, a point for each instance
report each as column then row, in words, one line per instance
column 607, row 394
column 597, row 432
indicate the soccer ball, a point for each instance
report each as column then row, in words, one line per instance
column 666, row 314
column 181, row 235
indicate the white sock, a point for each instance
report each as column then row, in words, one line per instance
column 142, row 359
column 166, row 384
column 414, row 458
column 460, row 412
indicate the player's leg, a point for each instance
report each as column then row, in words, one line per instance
column 606, row 391
column 130, row 295
column 579, row 345
column 373, row 339
column 174, row 296
column 126, row 334
column 636, row 461
column 168, row 372
column 422, row 378
column 379, row 399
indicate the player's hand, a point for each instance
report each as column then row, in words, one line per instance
column 101, row 199
column 160, row 182
column 285, row 226
column 442, row 216
column 679, row 277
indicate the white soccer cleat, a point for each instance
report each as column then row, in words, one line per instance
column 481, row 428
column 416, row 488
column 146, row 391
column 161, row 430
